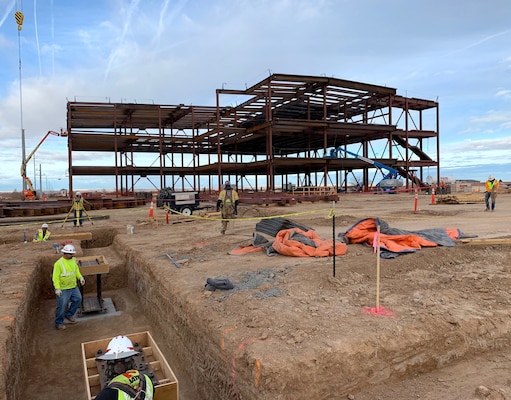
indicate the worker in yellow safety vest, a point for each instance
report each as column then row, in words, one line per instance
column 78, row 207
column 42, row 234
column 228, row 200
column 131, row 385
column 65, row 274
column 492, row 187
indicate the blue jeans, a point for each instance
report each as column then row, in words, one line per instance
column 78, row 217
column 64, row 309
column 487, row 196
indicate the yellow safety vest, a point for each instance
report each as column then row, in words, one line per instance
column 41, row 236
column 490, row 185
column 128, row 383
column 78, row 204
column 65, row 273
column 228, row 196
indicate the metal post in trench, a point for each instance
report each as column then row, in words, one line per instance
column 333, row 234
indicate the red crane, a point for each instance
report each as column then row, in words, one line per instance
column 30, row 193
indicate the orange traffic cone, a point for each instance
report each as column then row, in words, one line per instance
column 151, row 210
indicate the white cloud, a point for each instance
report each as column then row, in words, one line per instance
column 505, row 93
column 173, row 52
column 469, row 152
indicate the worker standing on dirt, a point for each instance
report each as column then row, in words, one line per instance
column 78, row 207
column 131, row 385
column 492, row 187
column 42, row 234
column 65, row 274
column 228, row 200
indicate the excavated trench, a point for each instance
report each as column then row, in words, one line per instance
column 36, row 356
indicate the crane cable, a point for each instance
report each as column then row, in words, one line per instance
column 18, row 15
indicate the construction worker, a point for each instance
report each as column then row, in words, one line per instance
column 65, row 274
column 228, row 200
column 42, row 234
column 131, row 385
column 492, row 187
column 78, row 207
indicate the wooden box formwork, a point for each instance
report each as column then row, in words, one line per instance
column 167, row 388
column 93, row 265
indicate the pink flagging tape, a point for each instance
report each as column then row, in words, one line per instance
column 380, row 311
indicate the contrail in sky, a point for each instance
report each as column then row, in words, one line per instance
column 164, row 20
column 52, row 40
column 161, row 25
column 37, row 38
column 131, row 10
column 488, row 38
column 477, row 43
column 8, row 10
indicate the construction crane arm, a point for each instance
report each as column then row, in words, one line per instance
column 23, row 170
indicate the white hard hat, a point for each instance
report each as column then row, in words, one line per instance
column 78, row 193
column 44, row 226
column 68, row 249
column 491, row 177
column 119, row 347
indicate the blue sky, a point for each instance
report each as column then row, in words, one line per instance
column 172, row 52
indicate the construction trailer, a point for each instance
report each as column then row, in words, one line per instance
column 184, row 202
column 276, row 136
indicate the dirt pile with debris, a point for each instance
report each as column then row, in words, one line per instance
column 295, row 327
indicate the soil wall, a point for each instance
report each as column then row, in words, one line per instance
column 193, row 348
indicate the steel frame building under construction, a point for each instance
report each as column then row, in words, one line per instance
column 278, row 133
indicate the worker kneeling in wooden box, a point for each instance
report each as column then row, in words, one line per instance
column 128, row 367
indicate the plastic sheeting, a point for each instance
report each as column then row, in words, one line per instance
column 273, row 226
column 298, row 243
column 293, row 242
column 394, row 241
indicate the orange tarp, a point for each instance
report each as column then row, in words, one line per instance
column 285, row 245
column 245, row 249
column 364, row 232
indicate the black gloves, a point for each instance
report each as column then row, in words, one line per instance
column 236, row 208
column 218, row 204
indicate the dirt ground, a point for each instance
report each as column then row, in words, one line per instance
column 290, row 329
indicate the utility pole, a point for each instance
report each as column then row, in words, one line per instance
column 40, row 179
